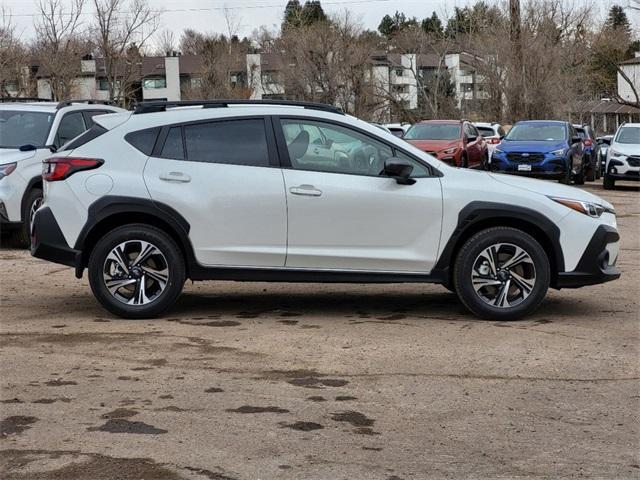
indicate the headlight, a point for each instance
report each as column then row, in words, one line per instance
column 558, row 153
column 7, row 169
column 450, row 150
column 592, row 209
column 614, row 154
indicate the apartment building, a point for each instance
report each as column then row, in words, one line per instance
column 631, row 70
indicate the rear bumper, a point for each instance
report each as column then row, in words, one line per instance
column 594, row 266
column 48, row 243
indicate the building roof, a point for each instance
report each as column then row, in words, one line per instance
column 631, row 61
column 604, row 106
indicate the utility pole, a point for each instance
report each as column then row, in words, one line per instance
column 516, row 77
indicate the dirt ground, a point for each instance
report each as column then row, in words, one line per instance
column 287, row 381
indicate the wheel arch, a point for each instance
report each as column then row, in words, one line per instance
column 35, row 182
column 478, row 216
column 111, row 212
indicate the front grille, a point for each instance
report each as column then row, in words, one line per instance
column 633, row 161
column 525, row 157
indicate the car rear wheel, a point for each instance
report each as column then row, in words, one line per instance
column 501, row 274
column 22, row 236
column 136, row 271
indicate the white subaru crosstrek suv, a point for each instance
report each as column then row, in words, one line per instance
column 29, row 130
column 297, row 192
column 623, row 156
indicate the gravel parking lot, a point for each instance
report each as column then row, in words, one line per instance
column 287, row 381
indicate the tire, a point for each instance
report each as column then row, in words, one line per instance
column 579, row 177
column 165, row 262
column 591, row 171
column 485, row 162
column 22, row 235
column 608, row 183
column 521, row 298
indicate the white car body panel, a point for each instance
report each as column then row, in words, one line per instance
column 29, row 164
column 247, row 216
column 362, row 222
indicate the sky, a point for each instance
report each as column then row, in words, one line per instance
column 208, row 15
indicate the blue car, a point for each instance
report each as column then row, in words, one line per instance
column 541, row 148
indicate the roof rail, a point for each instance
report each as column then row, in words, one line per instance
column 23, row 99
column 161, row 106
column 90, row 101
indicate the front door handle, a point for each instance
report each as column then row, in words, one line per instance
column 307, row 190
column 175, row 177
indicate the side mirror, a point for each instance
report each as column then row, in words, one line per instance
column 27, row 148
column 400, row 170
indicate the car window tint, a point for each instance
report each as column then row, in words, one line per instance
column 71, row 125
column 88, row 116
column 486, row 131
column 235, row 142
column 91, row 134
column 342, row 150
column 173, row 146
column 143, row 140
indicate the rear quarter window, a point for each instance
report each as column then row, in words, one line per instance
column 143, row 140
column 91, row 134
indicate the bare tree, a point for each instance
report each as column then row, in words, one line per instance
column 122, row 29
column 60, row 44
column 13, row 78
column 165, row 42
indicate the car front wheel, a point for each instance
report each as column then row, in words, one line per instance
column 501, row 273
column 136, row 271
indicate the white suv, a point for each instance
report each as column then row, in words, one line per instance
column 29, row 130
column 623, row 155
column 296, row 192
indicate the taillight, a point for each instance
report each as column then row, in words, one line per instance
column 588, row 142
column 61, row 168
column 495, row 141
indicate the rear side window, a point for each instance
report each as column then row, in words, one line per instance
column 91, row 134
column 143, row 140
column 233, row 142
column 71, row 125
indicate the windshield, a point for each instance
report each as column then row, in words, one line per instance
column 540, row 133
column 628, row 135
column 19, row 128
column 430, row 131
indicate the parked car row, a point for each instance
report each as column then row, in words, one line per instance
column 548, row 149
column 293, row 191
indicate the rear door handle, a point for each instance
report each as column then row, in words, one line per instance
column 175, row 177
column 307, row 190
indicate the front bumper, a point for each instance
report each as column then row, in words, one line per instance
column 596, row 265
column 48, row 243
column 553, row 167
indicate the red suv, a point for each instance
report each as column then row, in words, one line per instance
column 456, row 142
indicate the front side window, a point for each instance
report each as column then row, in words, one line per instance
column 433, row 131
column 71, row 125
column 18, row 128
column 337, row 149
column 233, row 142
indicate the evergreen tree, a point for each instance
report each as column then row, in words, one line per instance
column 432, row 24
column 389, row 25
column 617, row 19
column 292, row 15
column 312, row 12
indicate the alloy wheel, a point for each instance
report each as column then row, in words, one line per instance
column 135, row 272
column 503, row 275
